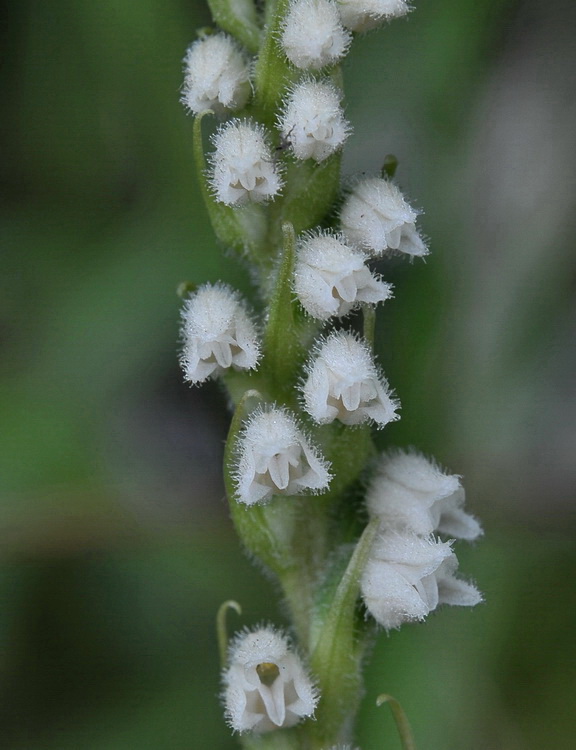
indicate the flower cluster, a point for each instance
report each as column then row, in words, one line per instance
column 305, row 357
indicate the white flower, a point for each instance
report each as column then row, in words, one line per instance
column 243, row 167
column 407, row 576
column 275, row 458
column 343, row 383
column 376, row 216
column 313, row 121
column 217, row 332
column 331, row 278
column 412, row 492
column 313, row 36
column 266, row 686
column 216, row 75
column 363, row 15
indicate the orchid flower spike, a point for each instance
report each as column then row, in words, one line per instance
column 275, row 458
column 376, row 216
column 411, row 491
column 266, row 686
column 313, row 35
column 344, row 383
column 408, row 576
column 243, row 168
column 313, row 122
column 331, row 278
column 217, row 332
column 363, row 15
column 216, row 75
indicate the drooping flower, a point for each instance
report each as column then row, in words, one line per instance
column 410, row 491
column 313, row 35
column 376, row 216
column 343, row 383
column 331, row 278
column 363, row 15
column 408, row 576
column 265, row 685
column 216, row 75
column 243, row 168
column 275, row 458
column 313, row 122
column 217, row 333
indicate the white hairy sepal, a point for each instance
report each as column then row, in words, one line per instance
column 216, row 75
column 265, row 685
column 408, row 576
column 331, row 278
column 376, row 216
column 344, row 383
column 411, row 491
column 312, row 120
column 243, row 167
column 217, row 333
column 312, row 35
column 363, row 15
column 276, row 458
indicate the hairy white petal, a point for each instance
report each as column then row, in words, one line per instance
column 331, row 278
column 313, row 122
column 243, row 168
column 343, row 383
column 376, row 216
column 216, row 75
column 363, row 15
column 407, row 576
column 217, row 332
column 313, row 35
column 275, row 458
column 266, row 685
column 408, row 490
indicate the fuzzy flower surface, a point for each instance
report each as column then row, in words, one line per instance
column 313, row 35
column 216, row 75
column 217, row 333
column 266, row 685
column 408, row 490
column 343, row 383
column 331, row 278
column 408, row 576
column 275, row 458
column 243, row 168
column 376, row 216
column 363, row 15
column 313, row 121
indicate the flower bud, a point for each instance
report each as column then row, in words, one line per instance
column 275, row 458
column 313, row 121
column 409, row 491
column 243, row 168
column 217, row 332
column 266, row 686
column 331, row 278
column 376, row 217
column 343, row 383
column 363, row 15
column 313, row 36
column 216, row 75
column 408, row 576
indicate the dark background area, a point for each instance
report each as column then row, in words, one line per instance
column 116, row 546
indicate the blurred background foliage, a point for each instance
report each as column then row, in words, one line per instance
column 116, row 547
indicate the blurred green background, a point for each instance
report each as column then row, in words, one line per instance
column 116, row 547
